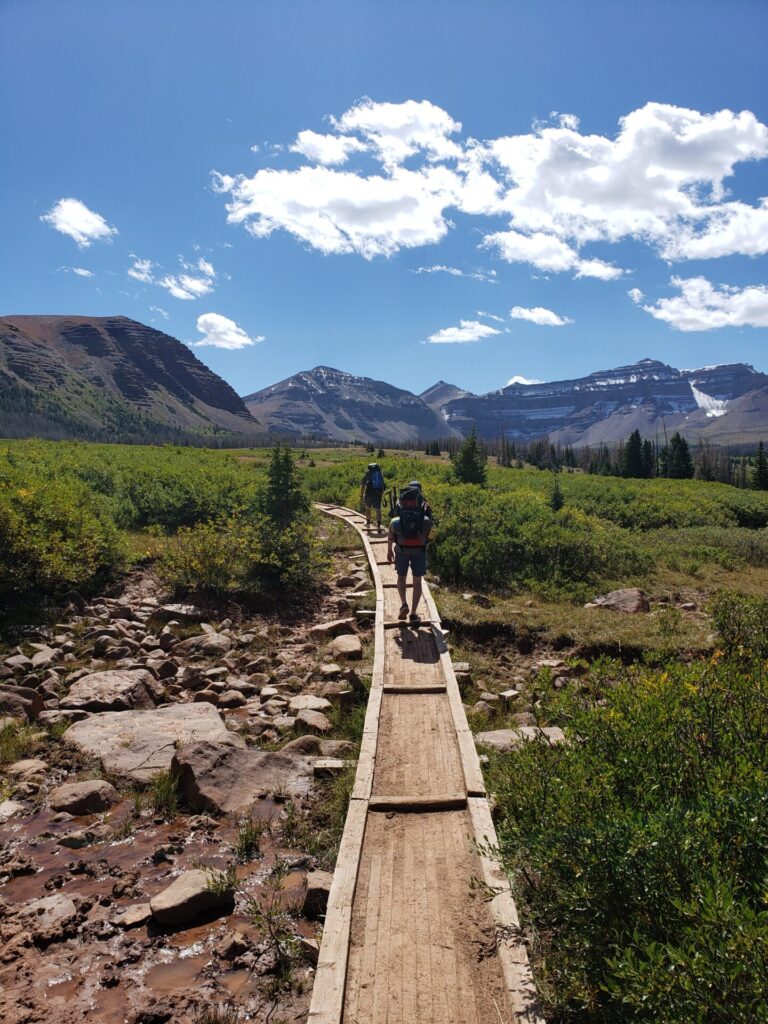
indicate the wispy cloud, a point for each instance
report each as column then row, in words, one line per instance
column 468, row 330
column 489, row 316
column 80, row 271
column 703, row 306
column 197, row 280
column 517, row 379
column 539, row 315
column 161, row 312
column 141, row 270
column 476, row 275
column 73, row 218
column 220, row 332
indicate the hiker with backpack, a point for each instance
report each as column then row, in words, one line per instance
column 371, row 493
column 407, row 540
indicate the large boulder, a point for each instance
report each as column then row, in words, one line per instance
column 505, row 740
column 309, row 702
column 140, row 744
column 84, row 797
column 630, row 600
column 223, row 779
column 189, row 897
column 117, row 690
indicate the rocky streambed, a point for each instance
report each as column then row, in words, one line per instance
column 172, row 786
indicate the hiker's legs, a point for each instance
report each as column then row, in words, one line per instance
column 416, row 594
column 367, row 513
column 402, row 582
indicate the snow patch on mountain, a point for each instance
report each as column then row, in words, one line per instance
column 712, row 406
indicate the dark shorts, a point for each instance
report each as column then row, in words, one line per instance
column 373, row 499
column 415, row 557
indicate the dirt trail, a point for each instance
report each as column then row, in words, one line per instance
column 409, row 939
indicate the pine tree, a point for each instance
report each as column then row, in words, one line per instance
column 632, row 456
column 284, row 500
column 760, row 471
column 556, row 499
column 679, row 461
column 649, row 460
column 469, row 463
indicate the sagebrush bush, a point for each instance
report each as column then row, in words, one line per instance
column 639, row 849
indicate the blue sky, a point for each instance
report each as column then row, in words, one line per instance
column 590, row 174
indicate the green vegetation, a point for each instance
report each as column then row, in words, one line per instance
column 469, row 462
column 639, row 849
column 164, row 794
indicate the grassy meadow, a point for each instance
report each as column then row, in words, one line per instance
column 637, row 850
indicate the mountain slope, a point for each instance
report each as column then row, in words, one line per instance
column 105, row 376
column 608, row 405
column 330, row 403
column 440, row 394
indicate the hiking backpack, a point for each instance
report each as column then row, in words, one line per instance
column 376, row 479
column 412, row 511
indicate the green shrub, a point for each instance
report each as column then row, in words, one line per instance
column 741, row 622
column 639, row 850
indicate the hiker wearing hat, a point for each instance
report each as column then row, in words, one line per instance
column 371, row 493
column 407, row 540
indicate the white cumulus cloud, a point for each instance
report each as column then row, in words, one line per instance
column 221, row 332
column 468, row 330
column 660, row 179
column 326, row 149
column 72, row 217
column 539, row 315
column 517, row 379
column 703, row 306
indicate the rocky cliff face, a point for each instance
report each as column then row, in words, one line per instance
column 440, row 394
column 329, row 403
column 96, row 375
column 610, row 404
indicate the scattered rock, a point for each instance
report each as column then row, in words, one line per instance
column 84, row 797
column 303, row 745
column 118, row 690
column 308, row 702
column 27, row 769
column 139, row 744
column 505, row 740
column 223, row 779
column 336, row 627
column 50, row 919
column 231, row 699
column 346, row 647
column 317, row 893
column 315, row 721
column 212, row 644
column 134, row 916
column 179, row 612
column 188, row 897
column 630, row 600
column 9, row 809
column 21, row 702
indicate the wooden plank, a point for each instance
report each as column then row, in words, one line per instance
column 419, row 804
column 426, row 688
column 510, row 947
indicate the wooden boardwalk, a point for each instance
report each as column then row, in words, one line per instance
column 410, row 936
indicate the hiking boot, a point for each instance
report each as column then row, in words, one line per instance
column 414, row 619
column 403, row 613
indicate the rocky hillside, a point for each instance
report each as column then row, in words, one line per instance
column 97, row 377
column 440, row 394
column 330, row 403
column 726, row 403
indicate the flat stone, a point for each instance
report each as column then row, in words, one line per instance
column 179, row 612
column 223, row 779
column 84, row 797
column 212, row 644
column 315, row 721
column 316, row 896
column 336, row 627
column 330, row 670
column 308, row 702
column 505, row 740
column 187, row 898
column 630, row 600
column 27, row 769
column 134, row 916
column 117, row 690
column 231, row 699
column 346, row 647
column 50, row 918
column 19, row 663
column 140, row 744
column 9, row 809
column 44, row 658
